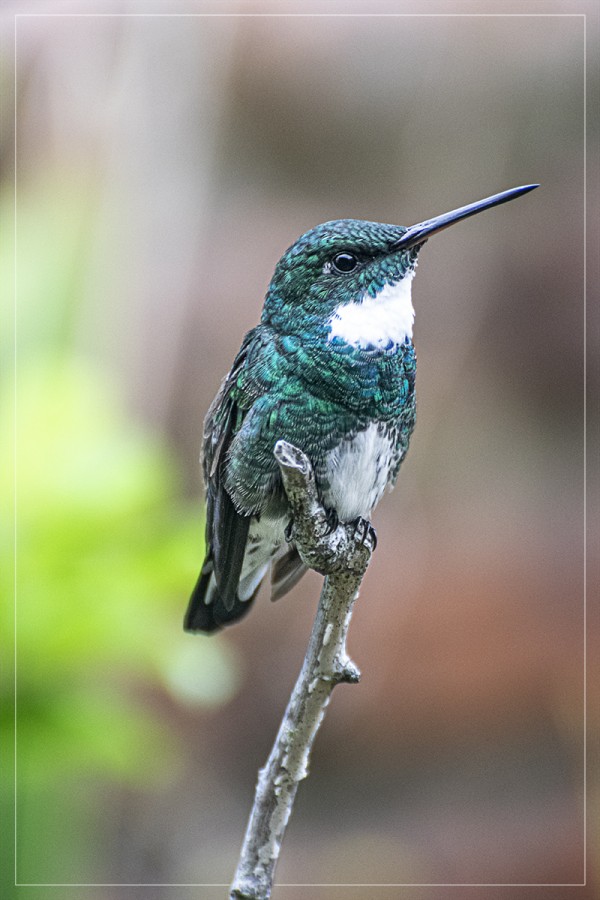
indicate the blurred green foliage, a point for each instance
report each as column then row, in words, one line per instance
column 100, row 553
column 106, row 551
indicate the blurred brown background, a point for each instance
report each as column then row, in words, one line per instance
column 163, row 165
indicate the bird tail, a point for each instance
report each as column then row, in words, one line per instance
column 206, row 610
column 287, row 571
column 214, row 604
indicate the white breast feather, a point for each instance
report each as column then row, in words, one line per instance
column 375, row 321
column 358, row 473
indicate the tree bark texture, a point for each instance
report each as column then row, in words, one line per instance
column 342, row 555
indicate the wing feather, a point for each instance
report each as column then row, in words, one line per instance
column 226, row 528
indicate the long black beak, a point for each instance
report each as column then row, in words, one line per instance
column 418, row 234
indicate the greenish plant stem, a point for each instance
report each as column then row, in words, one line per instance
column 342, row 555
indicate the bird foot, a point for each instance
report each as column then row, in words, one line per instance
column 332, row 521
column 364, row 528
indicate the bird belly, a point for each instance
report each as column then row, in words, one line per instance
column 358, row 471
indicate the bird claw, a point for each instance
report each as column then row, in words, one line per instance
column 332, row 521
column 364, row 528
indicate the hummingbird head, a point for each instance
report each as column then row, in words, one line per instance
column 349, row 280
column 337, row 263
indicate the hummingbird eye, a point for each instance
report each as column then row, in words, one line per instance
column 344, row 262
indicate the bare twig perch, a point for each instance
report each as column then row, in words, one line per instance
column 342, row 555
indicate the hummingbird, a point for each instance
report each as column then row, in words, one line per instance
column 331, row 369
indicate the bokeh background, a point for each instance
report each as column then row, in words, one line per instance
column 163, row 164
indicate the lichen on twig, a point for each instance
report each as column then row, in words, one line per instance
column 342, row 554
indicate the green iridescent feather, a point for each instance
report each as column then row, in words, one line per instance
column 311, row 393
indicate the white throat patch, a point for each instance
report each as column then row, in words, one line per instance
column 376, row 321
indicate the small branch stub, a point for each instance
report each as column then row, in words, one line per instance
column 342, row 554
